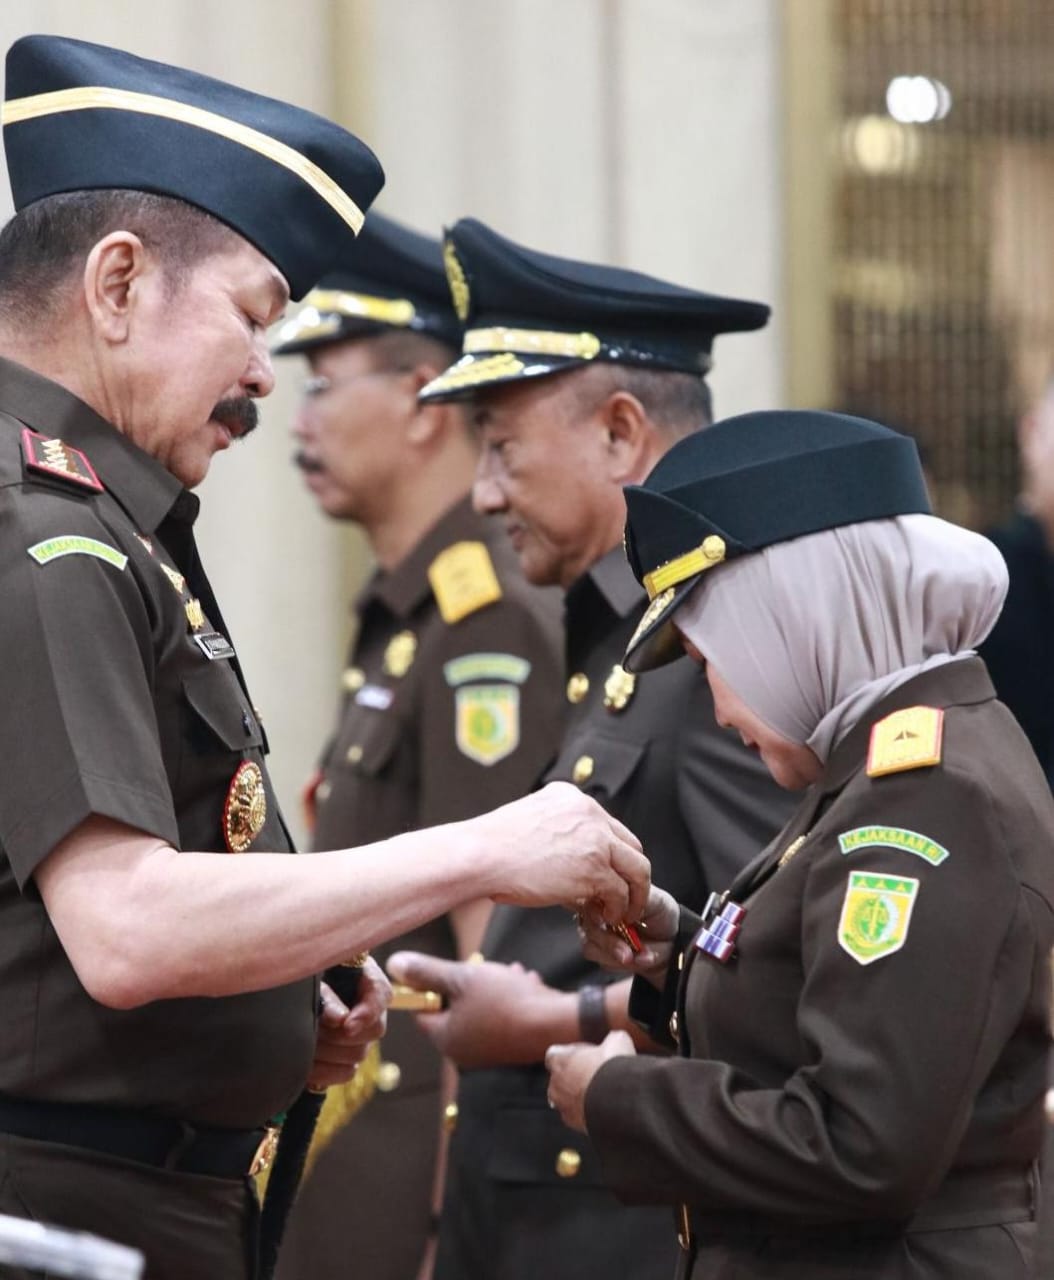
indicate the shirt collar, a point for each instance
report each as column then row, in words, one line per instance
column 143, row 487
column 403, row 588
column 611, row 578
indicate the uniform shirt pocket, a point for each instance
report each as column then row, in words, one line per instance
column 600, row 766
column 532, row 1146
column 218, row 718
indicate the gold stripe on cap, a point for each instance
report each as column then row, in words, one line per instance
column 91, row 97
column 543, row 342
column 710, row 551
column 398, row 312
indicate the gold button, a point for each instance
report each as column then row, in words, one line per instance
column 680, row 961
column 675, row 1027
column 388, row 1077
column 714, row 548
column 450, row 1117
column 353, row 679
column 322, row 792
column 477, row 957
column 577, row 687
column 568, row 1162
column 354, row 754
column 583, row 769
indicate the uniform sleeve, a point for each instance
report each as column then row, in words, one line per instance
column 78, row 733
column 893, row 1050
column 731, row 806
column 491, row 712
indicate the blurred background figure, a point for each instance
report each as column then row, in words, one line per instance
column 1018, row 652
column 449, row 703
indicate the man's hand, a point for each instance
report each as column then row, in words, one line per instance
column 657, row 927
column 571, row 1069
column 557, row 847
column 345, row 1034
column 498, row 1014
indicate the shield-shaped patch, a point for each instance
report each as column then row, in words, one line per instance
column 488, row 721
column 876, row 914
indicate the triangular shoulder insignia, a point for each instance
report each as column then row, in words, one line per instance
column 463, row 580
column 59, row 461
column 907, row 739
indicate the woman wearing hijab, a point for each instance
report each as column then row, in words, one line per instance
column 860, row 1020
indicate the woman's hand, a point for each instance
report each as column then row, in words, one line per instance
column 571, row 1070
column 656, row 928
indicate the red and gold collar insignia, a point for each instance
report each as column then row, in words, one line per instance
column 60, row 461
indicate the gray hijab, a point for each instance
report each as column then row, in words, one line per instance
column 811, row 632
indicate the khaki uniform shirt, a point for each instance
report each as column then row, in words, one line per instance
column 859, row 1089
column 116, row 698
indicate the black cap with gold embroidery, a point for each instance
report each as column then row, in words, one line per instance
column 528, row 314
column 390, row 278
column 81, row 117
column 746, row 483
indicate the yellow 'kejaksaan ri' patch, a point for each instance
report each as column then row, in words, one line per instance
column 488, row 721
column 74, row 544
column 893, row 838
column 463, row 580
column 876, row 914
column 907, row 739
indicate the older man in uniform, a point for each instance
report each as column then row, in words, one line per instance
column 158, row 945
column 581, row 377
column 451, row 698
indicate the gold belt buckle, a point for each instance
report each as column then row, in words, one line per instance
column 265, row 1152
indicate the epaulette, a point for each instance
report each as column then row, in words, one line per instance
column 463, row 580
column 58, row 461
column 906, row 739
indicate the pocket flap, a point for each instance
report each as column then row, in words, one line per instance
column 214, row 694
column 532, row 1145
column 610, row 762
column 370, row 743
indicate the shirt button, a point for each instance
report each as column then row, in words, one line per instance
column 583, row 769
column 675, row 1026
column 450, row 1117
column 247, row 723
column 354, row 754
column 322, row 792
column 577, row 687
column 353, row 679
column 388, row 1076
column 568, row 1163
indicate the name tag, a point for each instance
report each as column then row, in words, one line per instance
column 375, row 696
column 213, row 645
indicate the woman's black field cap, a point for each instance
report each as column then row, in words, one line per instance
column 528, row 314
column 84, row 117
column 390, row 278
column 746, row 483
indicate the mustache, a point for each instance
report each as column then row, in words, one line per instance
column 305, row 462
column 239, row 414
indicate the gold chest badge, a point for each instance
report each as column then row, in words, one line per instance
column 907, row 739
column 245, row 809
column 619, row 688
column 400, row 653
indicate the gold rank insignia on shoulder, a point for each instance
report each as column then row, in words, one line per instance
column 400, row 653
column 463, row 580
column 907, row 739
column 619, row 688
column 195, row 614
column 245, row 809
column 58, row 460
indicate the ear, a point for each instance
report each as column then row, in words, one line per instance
column 428, row 422
column 113, row 275
column 630, row 434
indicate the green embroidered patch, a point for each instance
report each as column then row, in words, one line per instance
column 875, row 915
column 486, row 666
column 895, row 838
column 74, row 544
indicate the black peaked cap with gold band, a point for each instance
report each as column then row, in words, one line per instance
column 390, row 278
column 528, row 314
column 81, row 117
column 746, row 483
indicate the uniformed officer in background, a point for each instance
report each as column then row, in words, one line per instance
column 159, row 944
column 451, row 698
column 580, row 377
